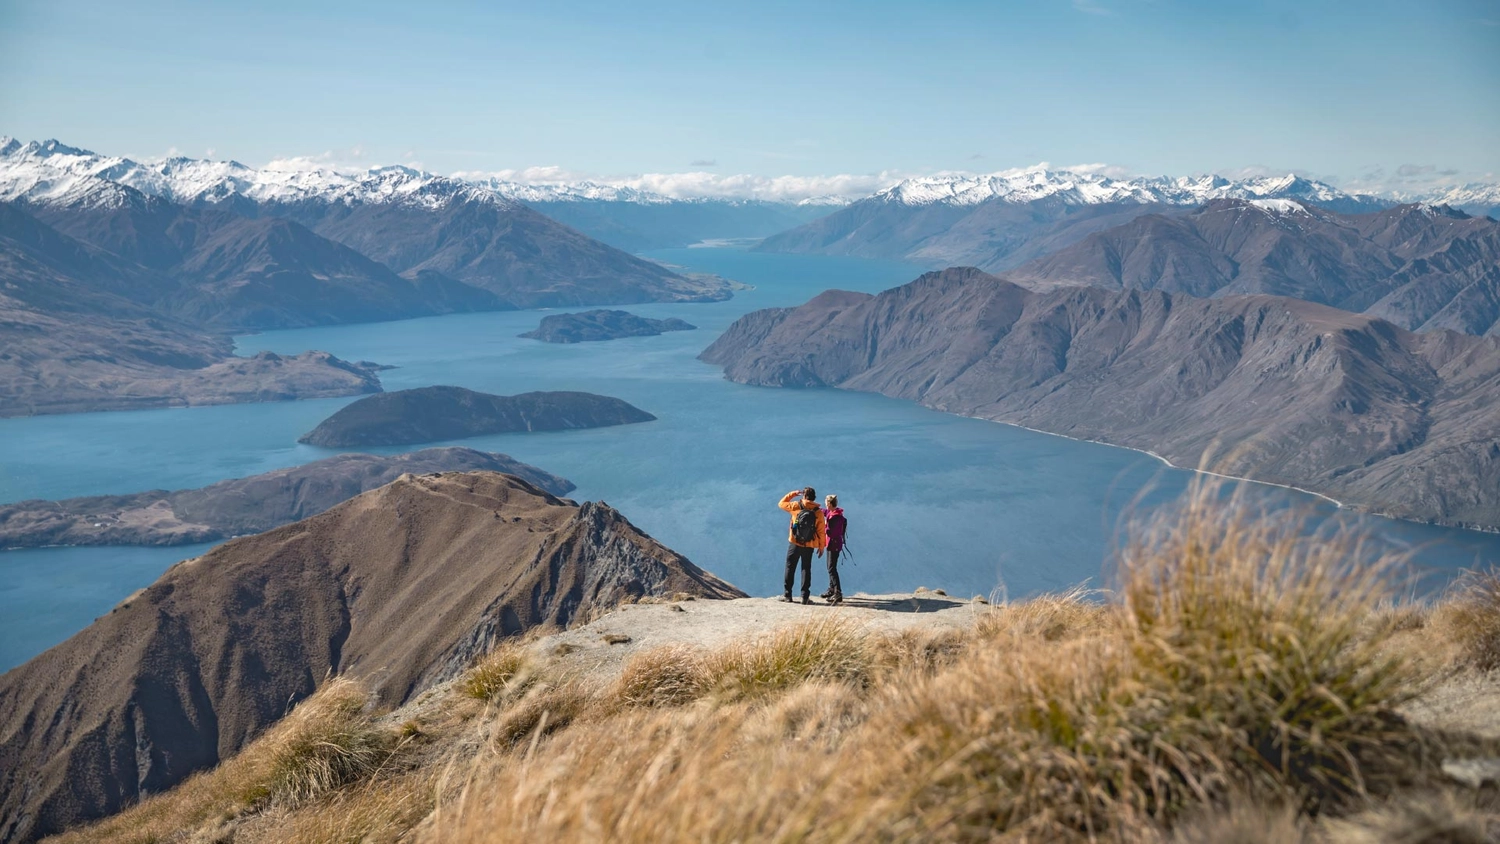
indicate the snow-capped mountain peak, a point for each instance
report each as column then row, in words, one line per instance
column 52, row 172
column 1074, row 188
column 1279, row 206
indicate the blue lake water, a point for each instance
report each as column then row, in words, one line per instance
column 933, row 500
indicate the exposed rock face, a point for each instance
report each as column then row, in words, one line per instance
column 433, row 414
column 77, row 334
column 590, row 326
column 1420, row 267
column 1275, row 389
column 401, row 586
column 241, row 506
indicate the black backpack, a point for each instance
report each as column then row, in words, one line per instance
column 805, row 526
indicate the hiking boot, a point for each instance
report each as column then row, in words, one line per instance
column 826, row 595
column 805, row 599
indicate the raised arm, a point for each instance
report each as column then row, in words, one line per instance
column 789, row 499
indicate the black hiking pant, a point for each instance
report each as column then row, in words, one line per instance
column 797, row 554
column 834, row 589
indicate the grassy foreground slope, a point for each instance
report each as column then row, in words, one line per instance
column 1240, row 683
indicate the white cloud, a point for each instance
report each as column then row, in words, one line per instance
column 697, row 183
column 1110, row 171
column 346, row 160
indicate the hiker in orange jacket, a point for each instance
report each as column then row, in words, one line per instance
column 809, row 533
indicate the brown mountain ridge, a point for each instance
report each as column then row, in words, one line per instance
column 401, row 586
column 1418, row 266
column 1274, row 389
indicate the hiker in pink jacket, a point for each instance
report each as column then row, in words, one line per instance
column 836, row 526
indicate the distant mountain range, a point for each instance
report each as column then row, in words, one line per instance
column 471, row 246
column 117, row 272
column 1000, row 221
column 1419, row 266
column 1270, row 388
column 54, row 174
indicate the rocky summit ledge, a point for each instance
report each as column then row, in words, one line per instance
column 591, row 326
column 599, row 650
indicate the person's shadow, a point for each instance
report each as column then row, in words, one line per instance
column 912, row 604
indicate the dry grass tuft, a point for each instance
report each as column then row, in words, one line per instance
column 666, row 676
column 382, row 811
column 543, row 710
column 1076, row 612
column 827, row 649
column 918, row 650
column 1248, row 639
column 1414, row 819
column 506, row 669
column 327, row 741
column 1471, row 618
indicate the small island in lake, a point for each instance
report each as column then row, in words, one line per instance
column 590, row 326
column 433, row 414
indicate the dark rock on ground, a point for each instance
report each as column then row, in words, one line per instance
column 590, row 326
column 241, row 506
column 433, row 414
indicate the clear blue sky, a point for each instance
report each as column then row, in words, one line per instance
column 1331, row 88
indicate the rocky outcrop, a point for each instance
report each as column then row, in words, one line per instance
column 1268, row 388
column 433, row 414
column 590, row 326
column 399, row 587
column 241, row 506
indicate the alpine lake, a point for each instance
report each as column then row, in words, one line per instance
column 968, row 506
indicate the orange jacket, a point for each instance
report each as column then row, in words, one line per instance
column 794, row 503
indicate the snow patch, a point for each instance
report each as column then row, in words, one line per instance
column 1279, row 206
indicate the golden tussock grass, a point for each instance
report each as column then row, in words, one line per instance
column 327, row 742
column 505, row 668
column 1235, row 660
column 1240, row 682
column 1471, row 618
